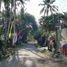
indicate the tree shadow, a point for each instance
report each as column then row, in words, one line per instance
column 18, row 61
column 35, row 52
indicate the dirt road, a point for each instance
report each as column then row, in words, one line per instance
column 29, row 56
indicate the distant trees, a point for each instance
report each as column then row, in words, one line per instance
column 50, row 22
column 27, row 24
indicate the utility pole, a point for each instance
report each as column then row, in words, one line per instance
column 58, row 39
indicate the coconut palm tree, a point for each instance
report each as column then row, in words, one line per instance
column 48, row 7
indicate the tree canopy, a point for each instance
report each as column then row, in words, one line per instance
column 50, row 22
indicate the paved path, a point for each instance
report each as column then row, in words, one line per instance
column 29, row 56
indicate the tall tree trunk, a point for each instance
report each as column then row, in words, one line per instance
column 14, row 13
column 14, row 1
column 0, row 5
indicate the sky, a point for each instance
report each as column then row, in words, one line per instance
column 34, row 9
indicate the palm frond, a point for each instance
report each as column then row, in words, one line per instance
column 23, row 1
column 52, row 1
column 51, row 10
column 42, row 10
column 47, row 5
column 47, row 10
column 54, row 10
column 41, row 4
column 55, row 7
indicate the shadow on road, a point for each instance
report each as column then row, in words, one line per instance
column 20, row 59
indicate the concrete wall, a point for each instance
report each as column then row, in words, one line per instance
column 64, row 36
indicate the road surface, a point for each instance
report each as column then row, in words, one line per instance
column 29, row 56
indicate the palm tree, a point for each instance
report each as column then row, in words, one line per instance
column 13, row 6
column 48, row 7
column 7, row 14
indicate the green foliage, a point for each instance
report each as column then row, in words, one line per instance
column 29, row 19
column 42, row 31
column 27, row 24
column 10, row 18
column 5, row 53
column 37, row 45
column 30, row 37
column 50, row 22
column 2, row 49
